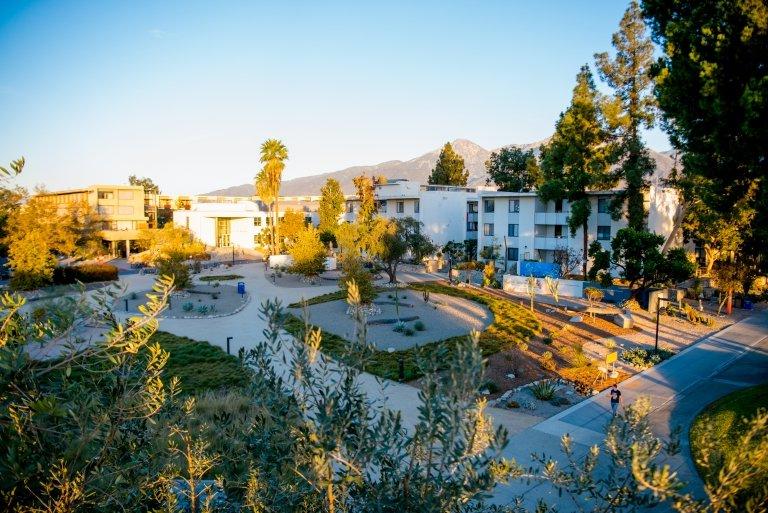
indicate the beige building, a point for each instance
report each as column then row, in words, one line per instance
column 120, row 210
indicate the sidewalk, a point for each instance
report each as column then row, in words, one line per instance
column 679, row 388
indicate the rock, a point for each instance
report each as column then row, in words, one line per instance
column 577, row 318
column 569, row 392
column 510, row 376
column 624, row 320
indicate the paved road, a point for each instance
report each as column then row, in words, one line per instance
column 679, row 389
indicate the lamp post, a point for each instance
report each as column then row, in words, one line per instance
column 658, row 312
column 228, row 341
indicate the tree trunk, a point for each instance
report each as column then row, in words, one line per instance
column 586, row 250
column 729, row 302
column 392, row 273
column 677, row 224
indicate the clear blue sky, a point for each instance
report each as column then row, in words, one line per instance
column 184, row 92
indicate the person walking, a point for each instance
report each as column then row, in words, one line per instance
column 615, row 399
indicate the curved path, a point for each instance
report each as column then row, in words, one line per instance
column 679, row 388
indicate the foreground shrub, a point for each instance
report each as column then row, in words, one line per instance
column 86, row 273
column 544, row 390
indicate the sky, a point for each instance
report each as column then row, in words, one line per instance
column 185, row 92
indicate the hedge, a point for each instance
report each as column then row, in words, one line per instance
column 86, row 273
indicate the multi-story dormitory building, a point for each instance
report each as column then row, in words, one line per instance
column 518, row 225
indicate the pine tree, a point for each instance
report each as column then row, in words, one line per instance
column 449, row 169
column 331, row 206
column 579, row 156
column 628, row 74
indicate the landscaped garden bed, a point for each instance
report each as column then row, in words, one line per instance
column 201, row 301
column 512, row 326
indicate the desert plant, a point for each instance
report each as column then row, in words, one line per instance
column 547, row 362
column 211, row 309
column 133, row 296
column 594, row 296
column 576, row 356
column 399, row 327
column 631, row 305
column 489, row 275
column 408, row 332
column 419, row 326
column 553, row 285
column 532, row 285
column 215, row 295
column 188, row 306
column 202, row 309
column 544, row 390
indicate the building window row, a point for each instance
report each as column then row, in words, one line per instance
column 489, row 206
column 400, row 207
column 488, row 229
column 513, row 254
column 603, row 233
column 514, row 205
column 513, row 230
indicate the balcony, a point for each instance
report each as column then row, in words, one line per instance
column 549, row 242
column 550, row 218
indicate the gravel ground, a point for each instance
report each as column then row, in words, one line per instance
column 452, row 317
column 227, row 302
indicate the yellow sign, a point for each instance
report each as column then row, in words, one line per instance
column 611, row 357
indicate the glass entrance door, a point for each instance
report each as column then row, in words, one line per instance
column 223, row 229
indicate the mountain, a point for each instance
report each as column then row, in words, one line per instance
column 415, row 170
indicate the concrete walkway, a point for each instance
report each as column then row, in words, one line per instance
column 679, row 389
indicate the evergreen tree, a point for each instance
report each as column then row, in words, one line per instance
column 331, row 206
column 628, row 74
column 449, row 169
column 579, row 156
column 513, row 170
column 149, row 186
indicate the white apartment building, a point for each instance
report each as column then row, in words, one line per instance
column 519, row 225
column 440, row 208
column 523, row 227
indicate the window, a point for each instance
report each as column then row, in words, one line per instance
column 603, row 233
column 489, row 206
column 472, row 207
column 416, row 207
column 400, row 207
column 382, row 207
column 602, row 205
column 125, row 210
column 514, row 205
column 471, row 226
column 106, row 195
column 558, row 206
column 512, row 254
column 488, row 229
column 350, row 208
column 125, row 195
column 512, row 230
column 559, row 231
column 256, row 221
column 106, row 210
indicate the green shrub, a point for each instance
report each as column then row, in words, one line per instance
column 86, row 273
column 419, row 326
column 642, row 358
column 188, row 306
column 408, row 332
column 544, row 390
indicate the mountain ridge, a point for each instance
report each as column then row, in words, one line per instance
column 416, row 169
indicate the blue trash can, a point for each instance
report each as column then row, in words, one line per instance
column 747, row 304
column 241, row 287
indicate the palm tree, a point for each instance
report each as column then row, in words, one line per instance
column 273, row 156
